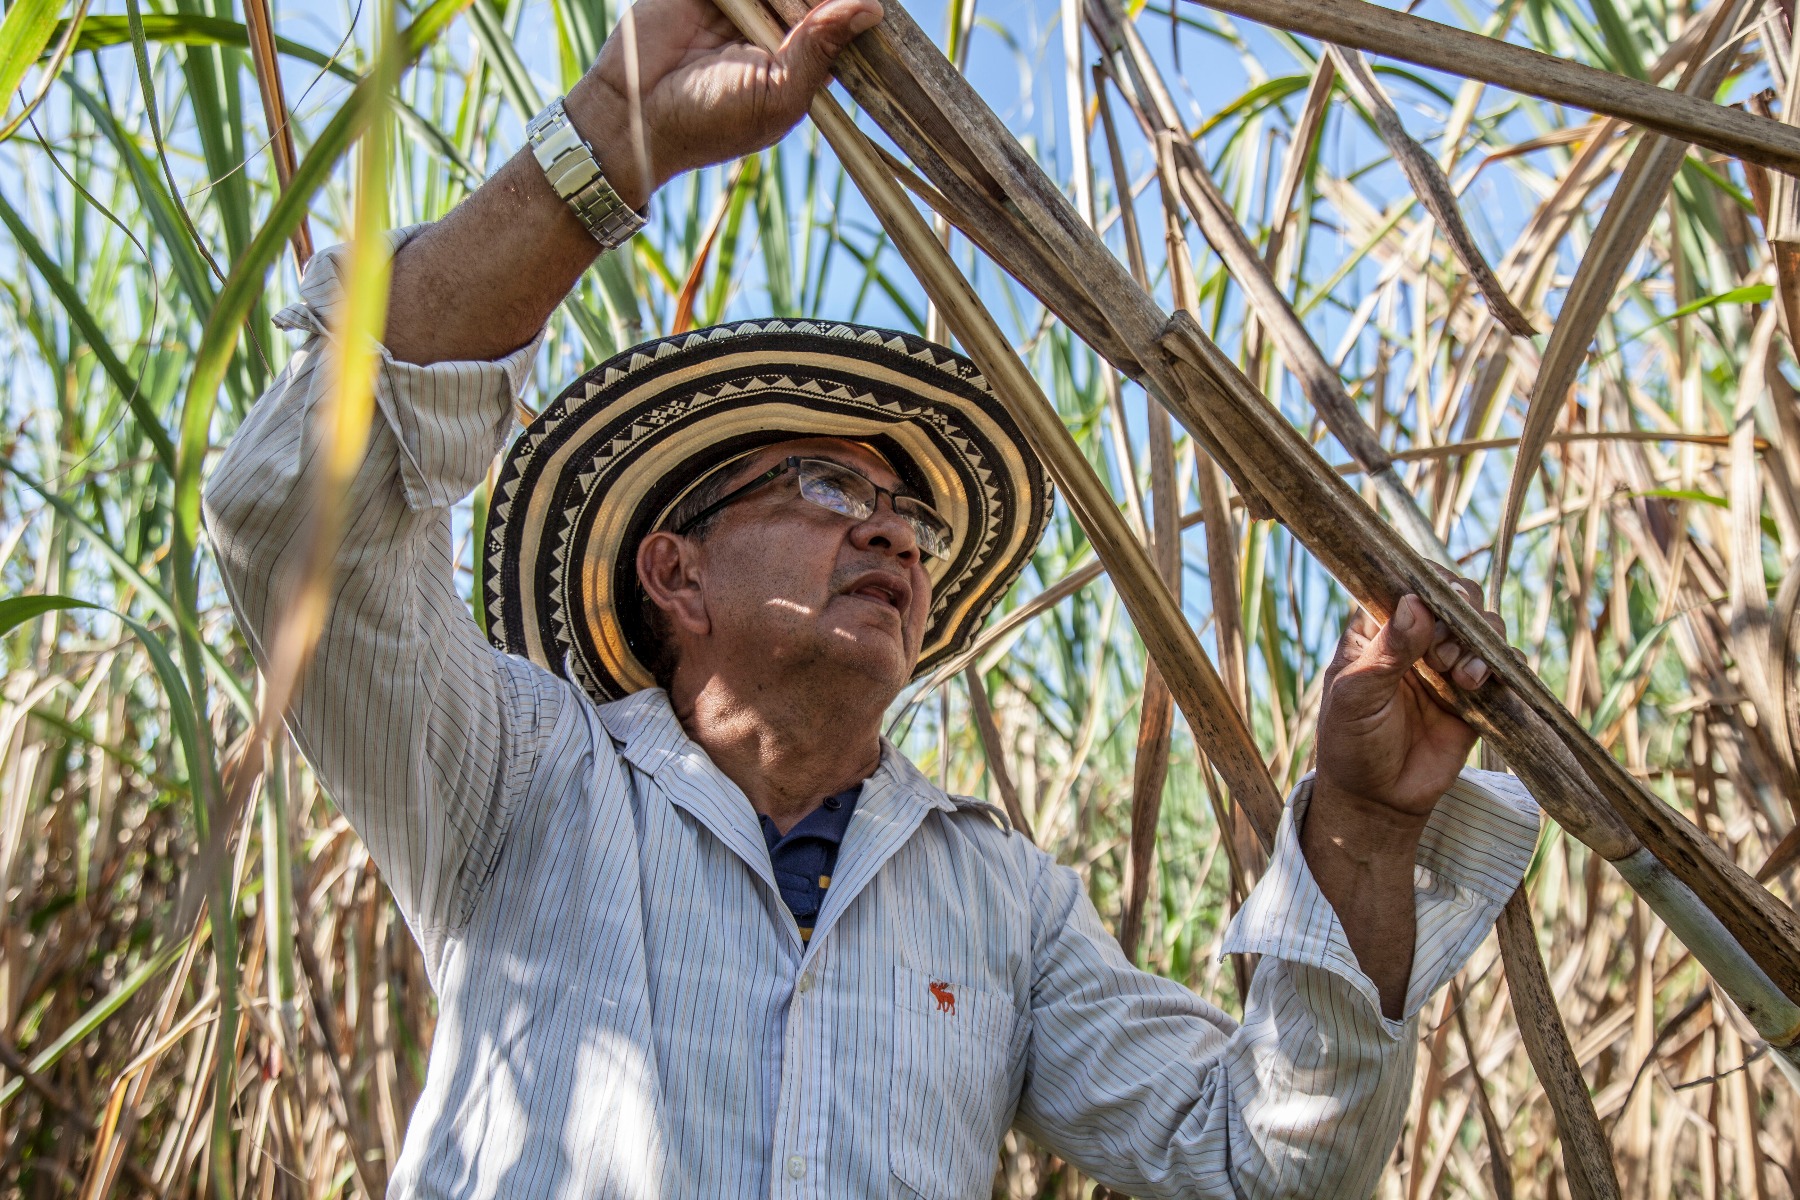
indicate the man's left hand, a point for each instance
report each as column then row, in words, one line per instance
column 1388, row 747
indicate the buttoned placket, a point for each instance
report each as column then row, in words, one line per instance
column 887, row 814
column 800, row 1135
column 893, row 803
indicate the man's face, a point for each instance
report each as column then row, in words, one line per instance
column 799, row 587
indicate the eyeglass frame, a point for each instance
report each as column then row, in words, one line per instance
column 792, row 463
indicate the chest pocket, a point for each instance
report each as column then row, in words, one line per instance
column 946, row 1104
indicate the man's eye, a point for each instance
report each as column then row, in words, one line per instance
column 830, row 493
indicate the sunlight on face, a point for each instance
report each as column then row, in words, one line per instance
column 790, row 585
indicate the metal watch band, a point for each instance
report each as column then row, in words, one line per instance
column 573, row 170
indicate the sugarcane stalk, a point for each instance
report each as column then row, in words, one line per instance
column 994, row 750
column 1746, row 938
column 1431, row 186
column 898, row 76
column 1587, row 1154
column 1442, row 47
column 1775, row 1017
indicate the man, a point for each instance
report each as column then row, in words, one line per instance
column 695, row 929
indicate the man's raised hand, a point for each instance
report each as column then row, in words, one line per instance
column 677, row 87
column 1387, row 746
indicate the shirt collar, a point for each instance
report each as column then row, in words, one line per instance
column 646, row 731
column 892, row 803
column 651, row 738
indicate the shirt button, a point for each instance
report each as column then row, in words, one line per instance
column 803, row 985
column 796, row 1167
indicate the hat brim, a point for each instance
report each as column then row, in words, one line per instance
column 603, row 464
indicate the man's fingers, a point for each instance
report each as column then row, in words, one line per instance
column 1396, row 646
column 1378, row 653
column 1470, row 673
column 1447, row 654
column 813, row 45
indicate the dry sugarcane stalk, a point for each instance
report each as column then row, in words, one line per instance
column 1752, row 907
column 1379, row 30
column 1752, row 943
column 1217, row 725
column 995, row 750
column 1149, row 771
column 1176, row 157
column 1783, row 253
column 1748, row 616
column 1150, row 763
column 1587, row 1154
column 1499, row 1162
column 1783, row 226
column 1633, row 206
column 989, row 181
column 1429, row 182
column 1303, row 137
column 261, row 36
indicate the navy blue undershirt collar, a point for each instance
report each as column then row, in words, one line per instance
column 806, row 855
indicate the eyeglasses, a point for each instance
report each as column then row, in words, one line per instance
column 842, row 490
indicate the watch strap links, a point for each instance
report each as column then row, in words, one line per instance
column 574, row 171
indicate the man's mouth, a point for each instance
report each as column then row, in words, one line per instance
column 882, row 589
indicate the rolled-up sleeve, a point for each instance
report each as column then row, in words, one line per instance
column 423, row 734
column 1156, row 1093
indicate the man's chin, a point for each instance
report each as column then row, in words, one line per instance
column 882, row 661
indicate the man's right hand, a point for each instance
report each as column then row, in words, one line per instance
column 705, row 95
column 482, row 281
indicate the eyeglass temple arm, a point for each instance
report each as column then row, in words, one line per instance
column 773, row 472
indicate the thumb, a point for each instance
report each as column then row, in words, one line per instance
column 805, row 58
column 1372, row 674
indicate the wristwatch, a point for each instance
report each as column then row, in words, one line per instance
column 573, row 170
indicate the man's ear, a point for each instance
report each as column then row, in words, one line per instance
column 669, row 570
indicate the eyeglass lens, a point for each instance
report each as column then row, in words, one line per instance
column 845, row 491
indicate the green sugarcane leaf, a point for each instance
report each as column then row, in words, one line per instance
column 104, row 30
column 70, row 298
column 24, row 33
column 1769, row 527
column 1612, row 704
column 96, row 1015
column 17, row 610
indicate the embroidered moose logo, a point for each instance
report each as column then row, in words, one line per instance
column 946, row 999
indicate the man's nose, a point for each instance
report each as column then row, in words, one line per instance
column 885, row 529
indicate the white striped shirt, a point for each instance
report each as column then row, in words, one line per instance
column 627, row 1009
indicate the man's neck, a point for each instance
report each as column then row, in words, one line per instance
column 787, row 746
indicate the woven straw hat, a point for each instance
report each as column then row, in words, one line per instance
column 614, row 454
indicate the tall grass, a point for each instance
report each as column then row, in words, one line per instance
column 206, row 988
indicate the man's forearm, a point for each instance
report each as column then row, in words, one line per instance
column 482, row 281
column 1362, row 861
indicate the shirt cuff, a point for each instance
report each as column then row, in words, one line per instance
column 449, row 418
column 1471, row 858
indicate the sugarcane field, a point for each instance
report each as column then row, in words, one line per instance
column 935, row 599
